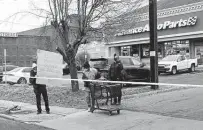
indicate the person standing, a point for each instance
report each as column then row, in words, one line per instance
column 39, row 89
column 115, row 74
column 89, row 73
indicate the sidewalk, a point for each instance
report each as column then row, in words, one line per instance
column 125, row 121
column 73, row 119
column 27, row 112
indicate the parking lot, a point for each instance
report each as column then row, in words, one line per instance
column 194, row 78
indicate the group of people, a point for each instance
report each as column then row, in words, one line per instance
column 89, row 73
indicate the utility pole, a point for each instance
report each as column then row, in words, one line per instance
column 153, row 43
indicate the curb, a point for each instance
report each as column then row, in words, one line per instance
column 8, row 117
column 15, row 118
column 155, row 92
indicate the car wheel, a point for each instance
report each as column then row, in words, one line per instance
column 192, row 68
column 174, row 70
column 22, row 81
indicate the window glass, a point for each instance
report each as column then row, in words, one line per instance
column 135, row 62
column 27, row 70
column 15, row 70
column 126, row 61
column 183, row 58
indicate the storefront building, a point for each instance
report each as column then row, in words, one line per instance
column 180, row 30
column 20, row 50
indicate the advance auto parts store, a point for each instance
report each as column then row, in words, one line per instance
column 180, row 30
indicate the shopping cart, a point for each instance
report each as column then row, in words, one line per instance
column 103, row 95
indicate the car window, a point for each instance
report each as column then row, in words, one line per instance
column 98, row 63
column 183, row 58
column 110, row 61
column 126, row 61
column 170, row 58
column 15, row 70
column 135, row 62
column 27, row 70
column 9, row 68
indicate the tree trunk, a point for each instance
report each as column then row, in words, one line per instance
column 73, row 72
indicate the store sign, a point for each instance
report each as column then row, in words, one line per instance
column 191, row 21
column 6, row 34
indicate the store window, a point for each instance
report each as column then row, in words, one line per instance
column 135, row 51
column 145, row 51
column 125, row 51
column 177, row 47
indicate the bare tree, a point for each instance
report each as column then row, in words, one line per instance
column 88, row 12
column 82, row 14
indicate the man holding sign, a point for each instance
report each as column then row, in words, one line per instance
column 39, row 89
column 49, row 67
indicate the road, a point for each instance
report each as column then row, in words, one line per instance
column 187, row 104
column 180, row 78
column 14, row 125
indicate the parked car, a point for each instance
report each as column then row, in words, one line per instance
column 8, row 68
column 174, row 63
column 66, row 69
column 134, row 70
column 19, row 75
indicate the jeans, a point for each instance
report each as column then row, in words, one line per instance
column 88, row 96
column 41, row 90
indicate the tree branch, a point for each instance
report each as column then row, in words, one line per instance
column 62, row 53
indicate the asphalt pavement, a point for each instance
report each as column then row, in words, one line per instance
column 194, row 78
column 6, row 124
column 187, row 104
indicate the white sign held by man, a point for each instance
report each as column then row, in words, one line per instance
column 49, row 65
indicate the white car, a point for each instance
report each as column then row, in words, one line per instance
column 174, row 63
column 19, row 75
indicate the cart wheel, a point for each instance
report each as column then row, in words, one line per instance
column 110, row 113
column 118, row 111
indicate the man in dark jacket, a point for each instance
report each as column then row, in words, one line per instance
column 115, row 73
column 39, row 89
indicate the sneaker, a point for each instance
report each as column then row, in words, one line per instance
column 39, row 112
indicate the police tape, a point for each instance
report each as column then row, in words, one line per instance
column 114, row 82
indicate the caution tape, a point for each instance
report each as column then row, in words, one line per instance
column 116, row 82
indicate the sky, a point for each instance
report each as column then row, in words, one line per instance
column 23, row 21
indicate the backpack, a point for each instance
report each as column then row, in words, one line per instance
column 33, row 73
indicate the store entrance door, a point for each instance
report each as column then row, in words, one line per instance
column 199, row 54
